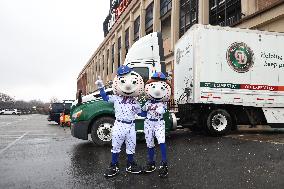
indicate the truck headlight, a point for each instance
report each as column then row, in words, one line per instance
column 77, row 114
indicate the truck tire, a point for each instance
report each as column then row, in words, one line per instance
column 101, row 131
column 218, row 122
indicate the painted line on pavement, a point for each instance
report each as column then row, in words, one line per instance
column 23, row 131
column 10, row 136
column 12, row 143
column 38, row 134
column 9, row 123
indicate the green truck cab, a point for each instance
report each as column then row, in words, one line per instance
column 96, row 117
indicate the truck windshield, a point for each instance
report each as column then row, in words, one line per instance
column 57, row 107
column 144, row 72
column 68, row 106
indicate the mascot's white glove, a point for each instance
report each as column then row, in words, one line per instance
column 160, row 110
column 99, row 83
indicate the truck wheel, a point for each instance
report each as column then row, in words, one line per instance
column 101, row 131
column 218, row 123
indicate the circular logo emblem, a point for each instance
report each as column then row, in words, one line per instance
column 240, row 57
column 178, row 55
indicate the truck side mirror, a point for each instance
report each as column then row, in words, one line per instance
column 79, row 97
column 109, row 83
column 169, row 75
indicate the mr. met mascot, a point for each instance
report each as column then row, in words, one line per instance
column 157, row 91
column 127, row 85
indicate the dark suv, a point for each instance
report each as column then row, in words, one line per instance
column 55, row 109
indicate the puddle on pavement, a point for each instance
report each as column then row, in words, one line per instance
column 260, row 134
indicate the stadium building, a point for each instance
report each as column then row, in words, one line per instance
column 129, row 20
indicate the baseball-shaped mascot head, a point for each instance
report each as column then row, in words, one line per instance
column 127, row 82
column 158, row 88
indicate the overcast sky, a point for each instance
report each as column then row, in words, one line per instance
column 44, row 44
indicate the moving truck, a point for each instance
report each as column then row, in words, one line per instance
column 226, row 76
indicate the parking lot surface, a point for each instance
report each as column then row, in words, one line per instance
column 37, row 154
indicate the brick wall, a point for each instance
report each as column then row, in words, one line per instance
column 261, row 4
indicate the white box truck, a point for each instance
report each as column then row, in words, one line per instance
column 225, row 77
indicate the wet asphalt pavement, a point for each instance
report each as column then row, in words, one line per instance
column 37, row 154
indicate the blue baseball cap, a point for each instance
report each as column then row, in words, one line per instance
column 122, row 70
column 159, row 76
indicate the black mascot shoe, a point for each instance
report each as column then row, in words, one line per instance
column 150, row 167
column 112, row 170
column 163, row 170
column 133, row 168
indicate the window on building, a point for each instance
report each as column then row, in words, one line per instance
column 165, row 7
column 188, row 15
column 126, row 40
column 119, row 52
column 149, row 18
column 107, row 63
column 224, row 12
column 136, row 28
column 112, row 58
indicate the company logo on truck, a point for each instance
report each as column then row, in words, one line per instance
column 240, row 57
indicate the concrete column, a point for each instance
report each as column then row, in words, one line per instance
column 105, row 65
column 115, row 53
column 249, row 6
column 88, row 79
column 101, row 65
column 131, row 29
column 156, row 16
column 109, row 61
column 175, row 17
column 142, row 19
column 95, row 73
column 123, row 52
column 98, row 64
column 92, row 77
column 203, row 12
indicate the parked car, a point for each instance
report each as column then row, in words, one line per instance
column 24, row 111
column 10, row 112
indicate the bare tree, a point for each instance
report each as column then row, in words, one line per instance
column 54, row 100
column 7, row 102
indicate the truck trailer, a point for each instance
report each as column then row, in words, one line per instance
column 224, row 77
